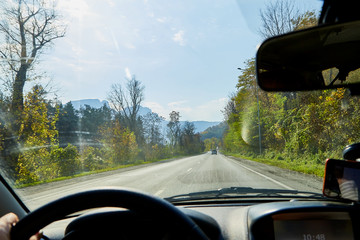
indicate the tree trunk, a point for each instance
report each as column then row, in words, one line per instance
column 17, row 102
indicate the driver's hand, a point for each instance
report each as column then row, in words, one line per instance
column 6, row 223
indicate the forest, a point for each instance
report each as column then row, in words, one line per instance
column 55, row 140
column 296, row 130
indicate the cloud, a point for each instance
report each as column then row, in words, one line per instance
column 130, row 46
column 101, row 37
column 76, row 9
column 111, row 3
column 179, row 38
column 157, row 108
column 176, row 104
column 161, row 20
column 127, row 73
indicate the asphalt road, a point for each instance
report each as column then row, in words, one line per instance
column 168, row 178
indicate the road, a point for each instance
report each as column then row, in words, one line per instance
column 168, row 178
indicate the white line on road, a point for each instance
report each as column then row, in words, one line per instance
column 264, row 176
column 159, row 192
column 189, row 169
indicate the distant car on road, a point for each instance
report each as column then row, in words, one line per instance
column 214, row 151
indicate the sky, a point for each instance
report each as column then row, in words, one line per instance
column 186, row 53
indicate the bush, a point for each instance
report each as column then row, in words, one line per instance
column 91, row 159
column 67, row 160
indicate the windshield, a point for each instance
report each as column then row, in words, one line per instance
column 159, row 96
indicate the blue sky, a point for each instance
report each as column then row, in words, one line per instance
column 186, row 52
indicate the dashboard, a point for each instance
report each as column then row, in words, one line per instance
column 303, row 221
column 300, row 220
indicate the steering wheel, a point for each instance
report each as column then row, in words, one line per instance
column 114, row 197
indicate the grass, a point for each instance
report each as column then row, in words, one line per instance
column 298, row 165
column 89, row 173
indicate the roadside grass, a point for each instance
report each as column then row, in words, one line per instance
column 92, row 172
column 299, row 165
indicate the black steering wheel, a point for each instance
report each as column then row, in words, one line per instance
column 114, row 197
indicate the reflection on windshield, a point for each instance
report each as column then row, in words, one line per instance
column 103, row 93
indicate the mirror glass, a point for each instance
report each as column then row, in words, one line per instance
column 315, row 58
column 342, row 179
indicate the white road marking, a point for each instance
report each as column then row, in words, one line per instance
column 264, row 176
column 159, row 192
column 189, row 169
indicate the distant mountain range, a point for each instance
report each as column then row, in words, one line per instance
column 200, row 126
column 95, row 103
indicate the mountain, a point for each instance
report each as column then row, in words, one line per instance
column 144, row 110
column 95, row 103
column 216, row 131
column 201, row 126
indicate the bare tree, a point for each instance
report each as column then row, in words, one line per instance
column 27, row 28
column 127, row 104
column 279, row 17
column 152, row 128
column 174, row 128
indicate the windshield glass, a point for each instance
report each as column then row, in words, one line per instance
column 158, row 96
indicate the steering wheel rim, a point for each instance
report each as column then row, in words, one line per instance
column 112, row 197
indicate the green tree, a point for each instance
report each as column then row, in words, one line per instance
column 67, row 124
column 212, row 143
column 190, row 142
column 67, row 160
column 119, row 142
column 91, row 158
column 38, row 133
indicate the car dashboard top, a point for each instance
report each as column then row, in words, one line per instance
column 303, row 220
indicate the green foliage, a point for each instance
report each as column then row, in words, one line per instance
column 304, row 127
column 119, row 143
column 38, row 133
column 58, row 142
column 67, row 160
column 67, row 124
column 212, row 143
column 92, row 160
column 214, row 131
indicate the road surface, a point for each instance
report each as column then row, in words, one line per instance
column 168, row 178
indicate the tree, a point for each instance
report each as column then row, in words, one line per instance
column 67, row 124
column 152, row 128
column 92, row 118
column 212, row 143
column 27, row 28
column 174, row 129
column 127, row 104
column 119, row 142
column 67, row 160
column 38, row 134
column 190, row 141
column 282, row 16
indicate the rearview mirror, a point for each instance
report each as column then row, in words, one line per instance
column 322, row 57
column 342, row 179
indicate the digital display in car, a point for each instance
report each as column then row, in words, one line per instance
column 338, row 227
